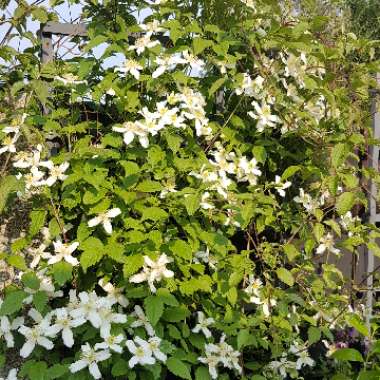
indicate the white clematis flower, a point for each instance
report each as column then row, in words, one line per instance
column 64, row 323
column 63, row 251
column 263, row 116
column 142, row 354
column 131, row 66
column 327, row 244
column 6, row 328
column 35, row 335
column 281, row 186
column 142, row 320
column 143, row 43
column 154, row 344
column 90, row 358
column 153, row 271
column 104, row 219
column 114, row 294
column 9, row 144
column 203, row 324
column 56, row 172
column 12, row 375
column 131, row 130
column 111, row 342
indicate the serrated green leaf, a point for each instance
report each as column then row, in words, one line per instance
column 37, row 221
column 62, row 272
column 132, row 264
column 154, row 308
column 285, row 276
column 345, row 202
column 192, row 203
column 12, row 302
column 181, row 249
column 178, row 368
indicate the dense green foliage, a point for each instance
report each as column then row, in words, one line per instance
column 188, row 204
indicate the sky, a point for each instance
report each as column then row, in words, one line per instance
column 67, row 13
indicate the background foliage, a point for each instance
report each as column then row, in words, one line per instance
column 235, row 181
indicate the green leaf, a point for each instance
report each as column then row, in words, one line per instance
column 176, row 314
column 149, row 187
column 182, row 249
column 40, row 300
column 260, row 154
column 339, row 154
column 348, row 354
column 17, row 261
column 192, row 203
column 355, row 321
column 62, row 272
column 216, row 85
column 345, row 202
column 244, row 339
column 285, row 276
column 195, row 284
column 154, row 308
column 132, row 265
column 93, row 252
column 37, row 221
column 202, row 373
column 200, row 44
column 57, row 371
column 166, row 297
column 314, row 334
column 8, row 185
column 30, row 280
column 12, row 302
column 290, row 171
column 369, row 375
column 178, row 368
column 120, row 368
column 154, row 213
column 291, row 251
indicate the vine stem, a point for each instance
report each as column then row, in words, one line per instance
column 212, row 142
column 56, row 215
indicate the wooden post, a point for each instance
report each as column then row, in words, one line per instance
column 374, row 217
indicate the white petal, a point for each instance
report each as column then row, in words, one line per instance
column 94, row 222
column 113, row 212
column 128, row 137
column 27, row 348
column 137, row 278
column 133, row 361
column 68, row 338
column 107, row 227
column 45, row 342
column 77, row 366
column 72, row 260
column 159, row 71
column 94, row 370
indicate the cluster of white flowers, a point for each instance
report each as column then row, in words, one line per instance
column 223, row 163
column 153, row 271
column 36, row 177
column 177, row 111
column 220, row 354
column 253, row 289
column 283, row 366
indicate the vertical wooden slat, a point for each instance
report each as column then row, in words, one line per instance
column 373, row 217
